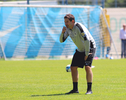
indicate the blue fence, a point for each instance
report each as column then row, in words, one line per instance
column 34, row 31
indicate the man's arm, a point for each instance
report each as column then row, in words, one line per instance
column 63, row 35
column 87, row 48
column 86, row 43
column 86, row 40
column 120, row 35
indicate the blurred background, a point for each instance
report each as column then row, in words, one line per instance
column 114, row 9
column 103, row 3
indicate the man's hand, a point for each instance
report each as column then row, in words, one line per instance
column 87, row 56
column 64, row 29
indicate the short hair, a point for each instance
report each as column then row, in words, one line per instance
column 70, row 17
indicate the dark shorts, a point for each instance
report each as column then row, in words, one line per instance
column 78, row 58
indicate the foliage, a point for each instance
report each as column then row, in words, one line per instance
column 108, row 3
column 115, row 3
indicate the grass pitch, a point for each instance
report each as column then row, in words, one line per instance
column 48, row 80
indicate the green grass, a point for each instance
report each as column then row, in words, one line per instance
column 48, row 80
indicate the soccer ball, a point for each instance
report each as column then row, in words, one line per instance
column 107, row 56
column 68, row 68
column 111, row 57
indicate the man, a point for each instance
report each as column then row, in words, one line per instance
column 83, row 55
column 105, row 33
column 123, row 41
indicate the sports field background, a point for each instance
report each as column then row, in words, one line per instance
column 48, row 80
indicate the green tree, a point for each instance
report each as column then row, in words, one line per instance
column 115, row 3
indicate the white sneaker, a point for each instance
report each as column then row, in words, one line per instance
column 89, row 92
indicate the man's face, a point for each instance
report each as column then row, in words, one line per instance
column 69, row 24
column 124, row 27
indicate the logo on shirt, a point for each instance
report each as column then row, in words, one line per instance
column 83, row 34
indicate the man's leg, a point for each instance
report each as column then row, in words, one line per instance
column 75, row 76
column 89, row 78
column 125, row 49
column 74, row 73
column 122, row 48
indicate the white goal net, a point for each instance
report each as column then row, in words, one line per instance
column 32, row 32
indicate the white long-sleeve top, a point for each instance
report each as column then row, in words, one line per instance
column 122, row 34
column 81, row 38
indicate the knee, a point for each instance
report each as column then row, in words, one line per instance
column 88, row 69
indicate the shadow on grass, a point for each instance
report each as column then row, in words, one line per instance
column 49, row 95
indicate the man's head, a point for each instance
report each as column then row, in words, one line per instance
column 70, row 17
column 124, row 26
column 69, row 20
